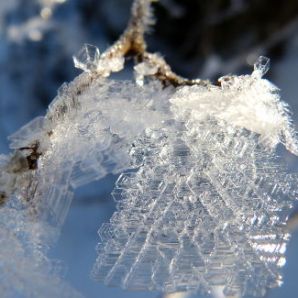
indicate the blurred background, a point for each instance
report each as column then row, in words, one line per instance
column 199, row 39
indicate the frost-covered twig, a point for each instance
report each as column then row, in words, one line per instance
column 132, row 43
column 202, row 201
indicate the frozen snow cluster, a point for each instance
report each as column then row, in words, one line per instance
column 202, row 199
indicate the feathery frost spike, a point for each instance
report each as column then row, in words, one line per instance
column 142, row 12
column 206, row 208
column 209, row 202
column 244, row 101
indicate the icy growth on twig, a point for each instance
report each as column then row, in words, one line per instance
column 261, row 66
column 25, row 270
column 84, row 136
column 142, row 11
column 143, row 70
column 88, row 58
column 28, row 134
column 209, row 203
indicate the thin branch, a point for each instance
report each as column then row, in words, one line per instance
column 132, row 40
column 132, row 43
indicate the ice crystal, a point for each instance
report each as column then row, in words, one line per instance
column 244, row 101
column 209, row 203
column 82, row 138
column 202, row 201
column 207, row 207
column 91, row 140
column 88, row 59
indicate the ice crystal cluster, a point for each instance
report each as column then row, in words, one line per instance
column 197, row 214
column 208, row 203
column 202, row 200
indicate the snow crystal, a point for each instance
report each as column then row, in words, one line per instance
column 83, row 137
column 88, row 58
column 142, row 70
column 261, row 66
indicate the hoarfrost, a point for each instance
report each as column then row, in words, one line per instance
column 204, row 203
column 208, row 206
column 83, row 137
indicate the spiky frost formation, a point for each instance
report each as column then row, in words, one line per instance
column 243, row 101
column 209, row 203
column 207, row 207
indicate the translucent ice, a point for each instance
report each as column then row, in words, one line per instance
column 25, row 271
column 261, row 66
column 83, row 137
column 209, row 203
column 88, row 59
column 206, row 208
